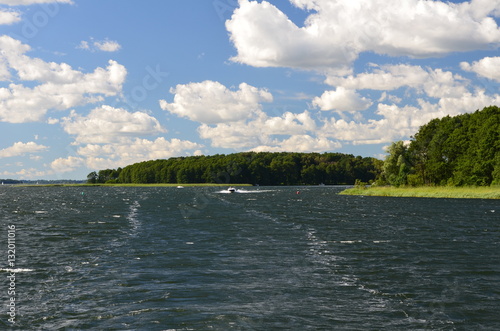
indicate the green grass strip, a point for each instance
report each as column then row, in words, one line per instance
column 468, row 192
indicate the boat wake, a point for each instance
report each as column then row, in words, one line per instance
column 242, row 191
column 132, row 218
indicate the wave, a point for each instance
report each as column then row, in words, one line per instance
column 242, row 191
column 16, row 270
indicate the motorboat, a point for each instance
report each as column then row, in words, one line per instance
column 231, row 189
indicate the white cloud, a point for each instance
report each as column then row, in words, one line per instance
column 134, row 150
column 481, row 8
column 8, row 17
column 301, row 144
column 394, row 99
column 264, row 132
column 20, row 148
column 84, row 45
column 232, row 135
column 385, row 78
column 60, row 86
column 342, row 100
column 107, row 45
column 265, row 37
column 288, row 124
column 100, row 45
column 106, row 124
column 466, row 103
column 454, row 96
column 434, row 82
column 211, row 102
column 336, row 32
column 68, row 164
column 31, row 2
column 488, row 67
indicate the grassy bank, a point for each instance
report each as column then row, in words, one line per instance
column 132, row 185
column 470, row 192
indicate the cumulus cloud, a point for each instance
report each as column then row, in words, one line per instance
column 232, row 135
column 107, row 45
column 342, row 99
column 103, row 45
column 265, row 37
column 20, row 148
column 102, row 156
column 435, row 83
column 60, row 86
column 287, row 124
column 301, row 144
column 481, row 8
column 211, row 102
column 489, row 67
column 106, row 124
column 109, row 137
column 429, row 93
column 8, row 17
column 336, row 32
column 69, row 164
column 291, row 132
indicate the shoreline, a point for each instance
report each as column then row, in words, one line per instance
column 467, row 192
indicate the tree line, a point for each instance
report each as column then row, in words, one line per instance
column 455, row 151
column 263, row 168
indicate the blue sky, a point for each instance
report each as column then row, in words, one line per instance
column 89, row 85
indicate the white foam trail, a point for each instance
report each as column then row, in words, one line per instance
column 245, row 191
column 132, row 218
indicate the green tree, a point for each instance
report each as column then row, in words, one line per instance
column 92, row 178
column 397, row 165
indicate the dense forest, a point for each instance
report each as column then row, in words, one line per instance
column 249, row 168
column 456, row 151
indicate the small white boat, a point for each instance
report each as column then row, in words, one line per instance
column 180, row 186
column 231, row 189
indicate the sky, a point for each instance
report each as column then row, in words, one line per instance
column 87, row 85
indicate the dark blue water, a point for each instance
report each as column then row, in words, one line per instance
column 268, row 259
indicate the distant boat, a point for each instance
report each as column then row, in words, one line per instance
column 231, row 189
column 180, row 186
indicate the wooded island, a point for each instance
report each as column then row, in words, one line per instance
column 249, row 168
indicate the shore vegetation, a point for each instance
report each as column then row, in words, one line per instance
column 463, row 192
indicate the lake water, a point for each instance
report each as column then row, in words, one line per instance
column 116, row 258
